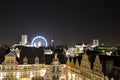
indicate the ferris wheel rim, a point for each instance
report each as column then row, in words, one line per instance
column 40, row 37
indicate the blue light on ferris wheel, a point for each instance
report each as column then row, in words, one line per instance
column 39, row 41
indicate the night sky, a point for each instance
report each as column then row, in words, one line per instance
column 67, row 21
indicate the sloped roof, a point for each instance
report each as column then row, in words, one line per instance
column 10, row 54
column 31, row 53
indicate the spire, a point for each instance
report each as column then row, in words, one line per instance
column 72, row 63
column 77, row 64
column 68, row 62
column 97, row 67
column 97, row 60
column 85, row 63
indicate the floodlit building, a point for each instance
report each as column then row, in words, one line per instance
column 95, row 42
column 40, row 64
column 81, row 69
column 24, row 39
column 11, row 69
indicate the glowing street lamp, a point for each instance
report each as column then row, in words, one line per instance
column 42, row 72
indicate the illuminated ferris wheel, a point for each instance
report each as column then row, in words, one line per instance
column 39, row 41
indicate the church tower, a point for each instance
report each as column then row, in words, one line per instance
column 24, row 39
column 95, row 42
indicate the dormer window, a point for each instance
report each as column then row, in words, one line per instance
column 25, row 60
column 36, row 60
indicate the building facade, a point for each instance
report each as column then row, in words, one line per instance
column 10, row 69
column 81, row 70
column 74, row 69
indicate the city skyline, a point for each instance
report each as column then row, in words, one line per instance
column 68, row 22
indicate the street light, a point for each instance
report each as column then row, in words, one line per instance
column 42, row 72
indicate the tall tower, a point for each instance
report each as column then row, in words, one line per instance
column 95, row 42
column 55, row 68
column 24, row 39
column 52, row 42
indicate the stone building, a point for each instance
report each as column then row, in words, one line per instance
column 81, row 69
column 11, row 69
